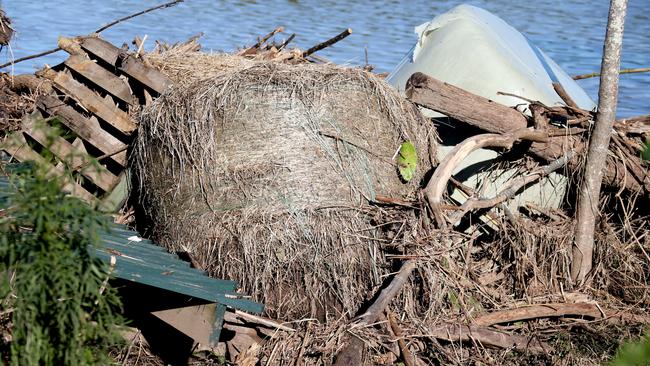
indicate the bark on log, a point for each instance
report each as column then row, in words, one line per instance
column 460, row 104
column 492, row 117
column 539, row 311
column 589, row 195
column 487, row 337
column 30, row 83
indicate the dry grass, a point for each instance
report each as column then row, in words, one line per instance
column 13, row 106
column 269, row 169
column 303, row 238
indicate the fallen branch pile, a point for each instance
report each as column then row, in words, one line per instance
column 455, row 290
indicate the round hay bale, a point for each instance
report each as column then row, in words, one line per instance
column 266, row 174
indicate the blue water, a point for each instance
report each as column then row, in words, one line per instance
column 571, row 32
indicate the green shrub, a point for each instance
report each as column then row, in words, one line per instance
column 63, row 311
column 633, row 353
column 645, row 155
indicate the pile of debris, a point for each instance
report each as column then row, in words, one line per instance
column 313, row 185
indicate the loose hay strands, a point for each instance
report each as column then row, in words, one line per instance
column 306, row 251
column 237, row 157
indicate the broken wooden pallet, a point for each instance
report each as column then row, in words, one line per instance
column 86, row 117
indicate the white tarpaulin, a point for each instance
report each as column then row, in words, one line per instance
column 475, row 50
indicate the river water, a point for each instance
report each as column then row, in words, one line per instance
column 570, row 31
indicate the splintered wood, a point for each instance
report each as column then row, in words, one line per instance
column 92, row 94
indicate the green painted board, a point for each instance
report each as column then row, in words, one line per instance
column 219, row 314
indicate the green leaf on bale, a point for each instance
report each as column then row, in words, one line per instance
column 407, row 161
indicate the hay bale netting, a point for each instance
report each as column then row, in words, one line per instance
column 263, row 174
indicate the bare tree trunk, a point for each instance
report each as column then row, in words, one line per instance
column 599, row 143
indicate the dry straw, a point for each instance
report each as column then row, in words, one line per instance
column 265, row 172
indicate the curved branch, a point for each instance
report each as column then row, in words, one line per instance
column 511, row 188
column 438, row 182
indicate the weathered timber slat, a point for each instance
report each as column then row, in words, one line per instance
column 100, row 76
column 16, row 145
column 71, row 155
column 130, row 65
column 101, row 49
column 92, row 102
column 84, row 127
column 462, row 105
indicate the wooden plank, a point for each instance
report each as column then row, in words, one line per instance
column 84, row 127
column 69, row 154
column 146, row 75
column 100, row 76
column 217, row 325
column 92, row 102
column 198, row 322
column 130, row 66
column 101, row 49
column 16, row 146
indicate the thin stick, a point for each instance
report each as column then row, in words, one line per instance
column 438, row 182
column 162, row 6
column 285, row 43
column 407, row 356
column 29, row 57
column 44, row 53
column 624, row 71
column 267, row 37
column 387, row 294
column 486, row 337
column 327, row 43
column 100, row 158
column 559, row 89
column 352, row 352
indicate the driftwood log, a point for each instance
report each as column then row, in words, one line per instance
column 624, row 171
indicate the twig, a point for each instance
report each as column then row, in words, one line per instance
column 262, row 321
column 252, row 50
column 520, row 97
column 540, row 311
column 438, row 182
column 305, row 341
column 44, row 53
column 141, row 46
column 352, row 352
column 287, row 41
column 263, row 40
column 559, row 89
column 327, row 43
column 511, row 188
column 387, row 294
column 407, row 356
column 486, row 336
column 100, row 158
column 393, row 201
column 624, row 71
column 162, row 6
